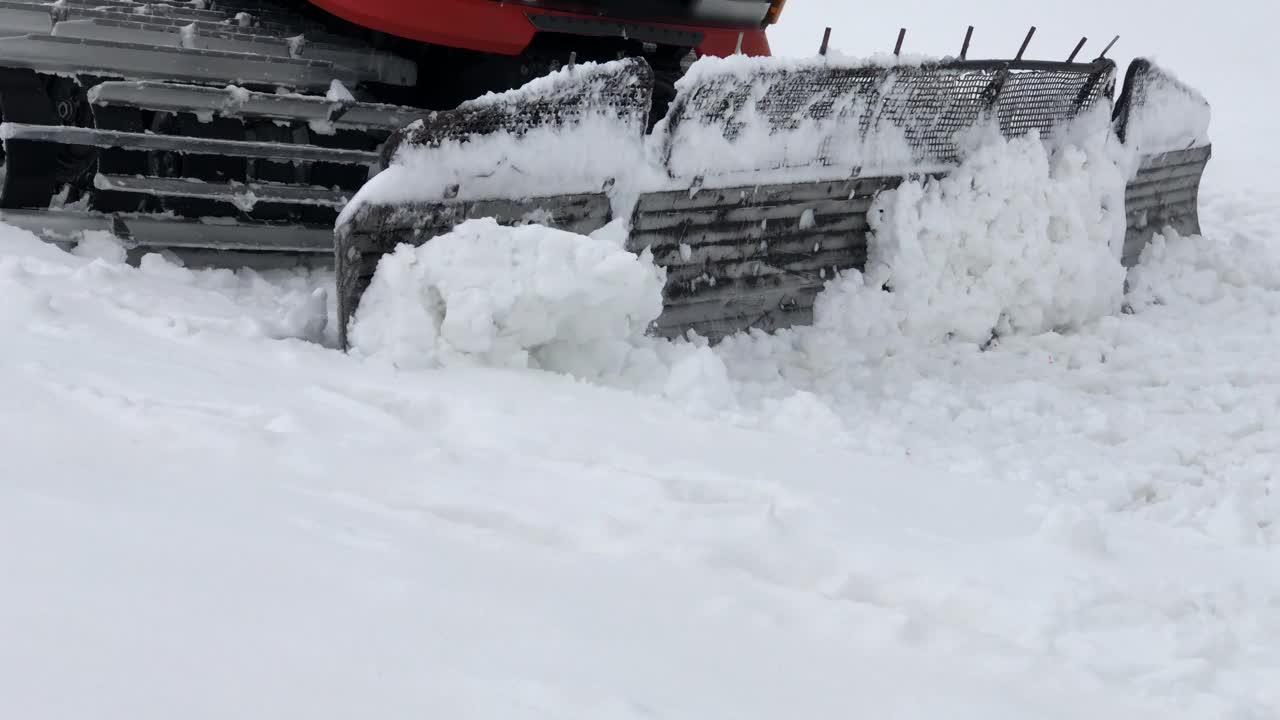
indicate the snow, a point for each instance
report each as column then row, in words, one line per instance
column 207, row 511
column 1024, row 237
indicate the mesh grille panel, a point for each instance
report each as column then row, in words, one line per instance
column 926, row 104
column 623, row 89
column 1146, row 82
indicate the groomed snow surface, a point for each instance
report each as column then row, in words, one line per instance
column 528, row 510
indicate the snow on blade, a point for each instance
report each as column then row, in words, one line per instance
column 533, row 164
column 594, row 137
column 504, row 296
column 1166, row 114
column 747, row 119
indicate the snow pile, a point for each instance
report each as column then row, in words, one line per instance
column 1025, row 236
column 526, row 296
column 1180, row 270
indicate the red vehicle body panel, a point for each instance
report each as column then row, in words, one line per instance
column 502, row 28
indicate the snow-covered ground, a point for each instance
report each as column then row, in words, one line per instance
column 208, row 512
column 205, row 517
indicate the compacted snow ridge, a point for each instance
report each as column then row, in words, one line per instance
column 997, row 479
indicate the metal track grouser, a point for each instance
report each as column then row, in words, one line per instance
column 257, row 134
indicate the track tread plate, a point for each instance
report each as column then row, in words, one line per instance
column 139, row 61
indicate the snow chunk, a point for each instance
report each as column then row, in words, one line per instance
column 338, row 93
column 99, row 245
column 526, row 296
